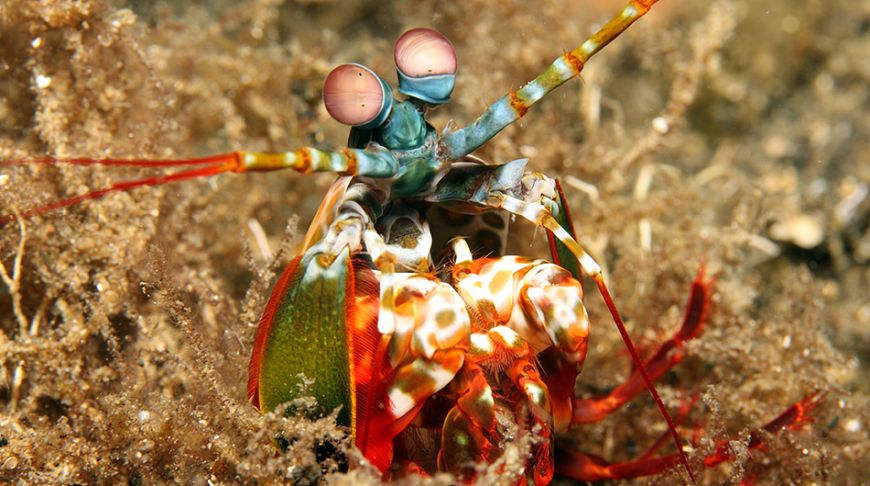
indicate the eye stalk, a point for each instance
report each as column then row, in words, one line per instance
column 426, row 63
column 354, row 95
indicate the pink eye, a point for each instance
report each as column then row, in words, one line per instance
column 356, row 96
column 424, row 52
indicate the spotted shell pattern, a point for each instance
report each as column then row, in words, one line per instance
column 424, row 52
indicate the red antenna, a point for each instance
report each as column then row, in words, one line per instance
column 207, row 166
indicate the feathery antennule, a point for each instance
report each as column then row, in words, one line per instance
column 212, row 165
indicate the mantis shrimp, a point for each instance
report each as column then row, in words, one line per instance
column 399, row 345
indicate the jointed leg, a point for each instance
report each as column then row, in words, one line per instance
column 669, row 354
column 587, row 467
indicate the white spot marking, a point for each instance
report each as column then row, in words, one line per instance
column 507, row 334
column 401, row 402
column 589, row 47
column 564, row 69
column 441, row 376
column 480, row 343
column 535, row 392
column 486, row 398
column 533, row 92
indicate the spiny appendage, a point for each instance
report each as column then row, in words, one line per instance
column 515, row 104
column 527, row 380
column 587, row 467
column 522, row 307
column 468, row 434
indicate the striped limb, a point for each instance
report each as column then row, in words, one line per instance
column 538, row 214
column 374, row 161
column 398, row 370
column 419, row 346
column 514, row 105
column 402, row 239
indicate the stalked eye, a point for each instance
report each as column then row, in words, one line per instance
column 423, row 52
column 354, row 95
column 426, row 62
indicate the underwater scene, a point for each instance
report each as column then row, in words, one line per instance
column 728, row 137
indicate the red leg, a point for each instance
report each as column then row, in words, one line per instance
column 588, row 467
column 669, row 354
column 793, row 418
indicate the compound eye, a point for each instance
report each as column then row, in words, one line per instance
column 426, row 62
column 354, row 95
column 424, row 52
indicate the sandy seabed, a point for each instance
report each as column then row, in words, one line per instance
column 731, row 134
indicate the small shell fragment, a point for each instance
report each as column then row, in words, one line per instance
column 804, row 230
column 42, row 81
